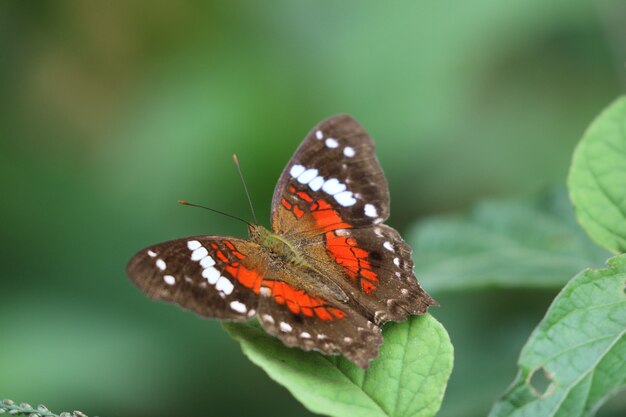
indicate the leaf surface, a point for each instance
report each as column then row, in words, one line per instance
column 579, row 348
column 597, row 178
column 504, row 243
column 408, row 379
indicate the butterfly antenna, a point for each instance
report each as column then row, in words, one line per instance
column 184, row 203
column 245, row 187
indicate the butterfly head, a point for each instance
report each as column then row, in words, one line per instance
column 255, row 232
column 261, row 235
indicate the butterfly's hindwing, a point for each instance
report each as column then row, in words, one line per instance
column 377, row 266
column 336, row 168
column 212, row 276
column 310, row 322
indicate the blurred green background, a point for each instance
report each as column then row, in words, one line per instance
column 111, row 111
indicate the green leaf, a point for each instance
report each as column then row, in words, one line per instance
column 407, row 379
column 578, row 349
column 597, row 178
column 504, row 243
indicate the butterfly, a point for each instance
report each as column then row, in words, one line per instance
column 327, row 275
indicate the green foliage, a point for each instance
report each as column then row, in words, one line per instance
column 597, row 179
column 407, row 379
column 504, row 243
column 26, row 410
column 580, row 347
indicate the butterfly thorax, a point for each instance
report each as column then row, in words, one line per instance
column 283, row 252
column 276, row 246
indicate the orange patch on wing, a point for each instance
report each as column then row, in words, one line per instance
column 303, row 195
column 299, row 302
column 286, row 204
column 336, row 312
column 369, row 274
column 323, row 314
column 323, row 205
column 249, row 278
column 354, row 259
column 292, row 189
column 293, row 307
column 298, row 211
column 367, row 286
column 326, row 217
column 222, row 257
column 229, row 245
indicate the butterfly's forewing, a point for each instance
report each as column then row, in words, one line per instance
column 212, row 276
column 301, row 319
column 336, row 167
column 331, row 200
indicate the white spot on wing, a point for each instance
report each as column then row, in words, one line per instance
column 296, row 170
column 285, row 327
column 345, row 198
column 223, row 284
column 305, row 335
column 307, row 176
column 388, row 246
column 319, row 135
column 207, row 262
column 160, row 263
column 331, row 143
column 370, row 210
column 396, row 261
column 211, row 274
column 321, row 336
column 333, row 186
column 266, row 292
column 379, row 315
column 151, row 254
column 199, row 253
column 268, row 318
column 316, row 183
column 238, row 307
column 169, row 279
column 193, row 244
column 347, row 339
column 349, row 151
